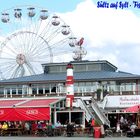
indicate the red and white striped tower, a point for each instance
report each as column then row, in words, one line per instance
column 69, row 86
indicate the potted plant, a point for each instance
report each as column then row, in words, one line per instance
column 99, row 90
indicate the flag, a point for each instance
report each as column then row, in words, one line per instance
column 80, row 42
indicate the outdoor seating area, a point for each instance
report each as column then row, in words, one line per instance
column 39, row 128
column 46, row 129
column 11, row 132
column 62, row 131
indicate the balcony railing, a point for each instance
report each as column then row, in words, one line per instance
column 79, row 94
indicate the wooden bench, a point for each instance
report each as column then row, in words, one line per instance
column 11, row 132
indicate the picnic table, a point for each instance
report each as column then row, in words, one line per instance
column 11, row 131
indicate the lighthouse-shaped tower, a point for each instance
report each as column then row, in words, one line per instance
column 69, row 86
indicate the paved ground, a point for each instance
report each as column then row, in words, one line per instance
column 67, row 138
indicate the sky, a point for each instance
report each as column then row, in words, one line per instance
column 111, row 34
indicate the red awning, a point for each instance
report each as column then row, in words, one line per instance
column 29, row 109
column 133, row 109
column 20, row 114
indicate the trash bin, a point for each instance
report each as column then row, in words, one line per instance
column 97, row 132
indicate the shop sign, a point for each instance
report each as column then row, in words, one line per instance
column 122, row 101
column 32, row 112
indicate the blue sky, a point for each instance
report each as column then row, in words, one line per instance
column 52, row 5
column 110, row 34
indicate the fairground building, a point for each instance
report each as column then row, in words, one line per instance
column 100, row 90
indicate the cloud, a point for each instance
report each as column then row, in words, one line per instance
column 110, row 34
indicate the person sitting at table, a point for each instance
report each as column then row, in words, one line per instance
column 27, row 128
column 53, row 126
column 40, row 130
column 58, row 124
column 39, row 125
column 70, row 129
column 50, row 129
column 17, row 125
column 43, row 124
column 34, row 128
column 11, row 125
column 133, row 127
column 5, row 126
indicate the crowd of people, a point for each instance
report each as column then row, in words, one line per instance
column 125, row 125
column 31, row 127
column 6, row 125
column 46, row 128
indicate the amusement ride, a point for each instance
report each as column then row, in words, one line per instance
column 32, row 36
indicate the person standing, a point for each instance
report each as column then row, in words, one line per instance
column 102, row 131
column 118, row 128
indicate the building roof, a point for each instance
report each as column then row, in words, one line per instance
column 38, row 103
column 79, row 66
column 83, row 62
column 9, row 103
column 28, row 102
column 78, row 76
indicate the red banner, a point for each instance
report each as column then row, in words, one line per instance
column 24, row 114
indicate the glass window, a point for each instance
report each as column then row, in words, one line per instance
column 13, row 91
column 81, row 83
column 94, row 67
column 8, row 90
column 34, row 90
column 77, row 117
column 88, row 83
column 20, row 91
column 1, row 90
column 63, row 117
column 80, row 68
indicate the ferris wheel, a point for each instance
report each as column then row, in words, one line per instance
column 31, row 36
